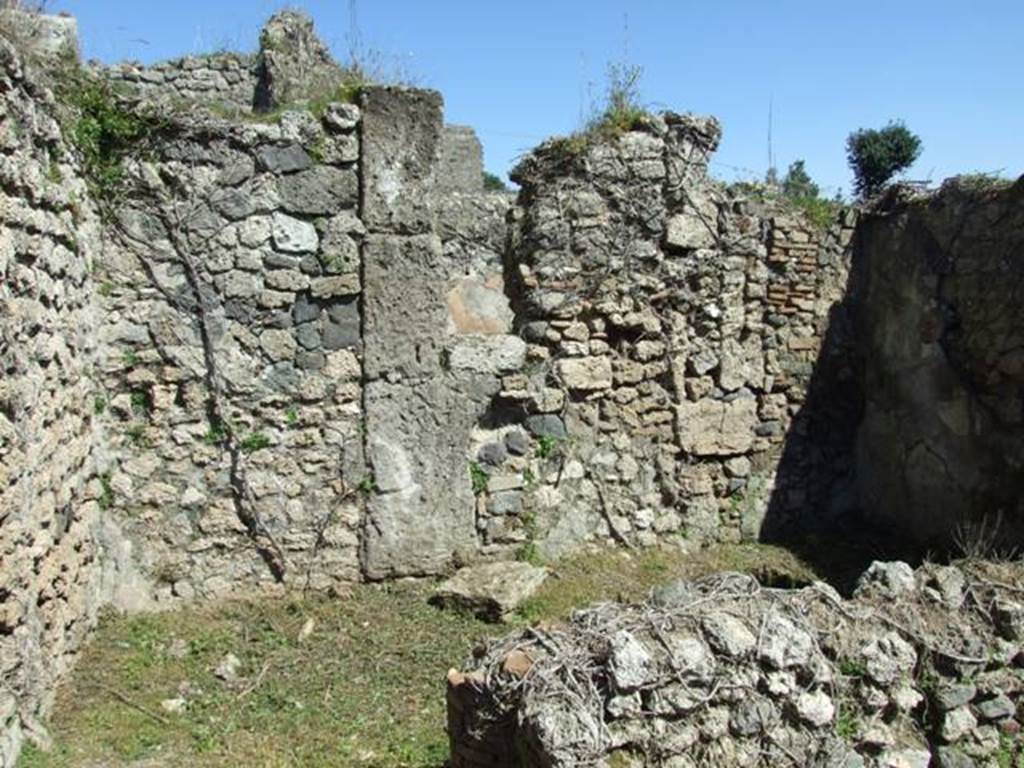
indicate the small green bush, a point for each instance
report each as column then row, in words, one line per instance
column 104, row 130
column 876, row 155
column 620, row 112
column 106, row 497
column 820, row 211
column 801, row 191
column 217, row 434
column 367, row 484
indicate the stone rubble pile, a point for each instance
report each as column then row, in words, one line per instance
column 919, row 668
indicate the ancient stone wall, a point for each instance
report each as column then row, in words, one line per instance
column 230, row 293
column 226, row 80
column 673, row 327
column 940, row 331
column 307, row 349
column 462, row 163
column 192, row 387
column 435, row 336
column 59, row 553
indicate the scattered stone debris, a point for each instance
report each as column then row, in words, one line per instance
column 722, row 672
column 228, row 668
column 175, row 706
column 490, row 591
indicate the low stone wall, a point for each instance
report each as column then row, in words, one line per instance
column 920, row 668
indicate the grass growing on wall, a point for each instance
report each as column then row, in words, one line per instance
column 103, row 129
column 620, row 112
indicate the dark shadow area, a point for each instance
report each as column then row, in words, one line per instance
column 815, row 508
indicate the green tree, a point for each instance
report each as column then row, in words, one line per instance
column 876, row 155
column 493, row 183
column 797, row 183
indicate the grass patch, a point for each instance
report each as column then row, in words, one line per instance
column 364, row 688
column 547, row 446
column 615, row 574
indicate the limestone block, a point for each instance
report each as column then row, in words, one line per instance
column 400, row 153
column 491, row 591
column 318, row 191
column 586, row 373
column 293, row 235
column 423, row 510
column 488, row 354
column 696, row 226
column 479, row 306
column 404, row 304
column 717, row 428
column 461, row 163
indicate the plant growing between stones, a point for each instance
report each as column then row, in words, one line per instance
column 847, row 725
column 136, row 434
column 620, row 112
column 140, row 403
column 547, row 446
column 478, row 478
column 104, row 130
column 367, row 484
column 106, row 497
column 254, row 441
column 622, row 109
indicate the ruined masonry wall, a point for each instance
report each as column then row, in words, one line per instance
column 226, row 80
column 268, row 470
column 59, row 554
column 673, row 327
column 940, row 325
column 919, row 668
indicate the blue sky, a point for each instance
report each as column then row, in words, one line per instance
column 521, row 70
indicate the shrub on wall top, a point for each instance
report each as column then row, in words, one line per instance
column 876, row 155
